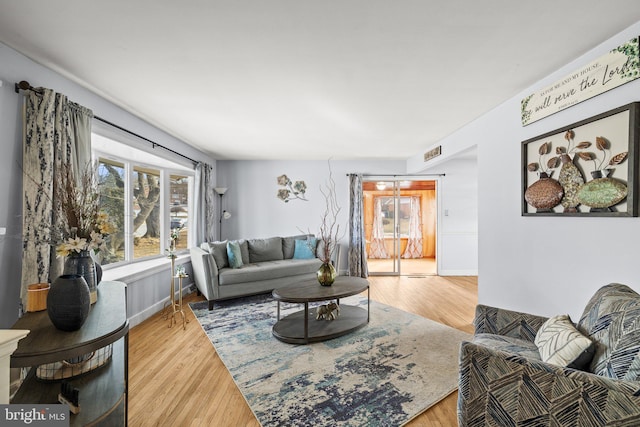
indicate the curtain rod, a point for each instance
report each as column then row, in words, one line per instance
column 24, row 85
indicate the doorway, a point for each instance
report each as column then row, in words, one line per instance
column 400, row 223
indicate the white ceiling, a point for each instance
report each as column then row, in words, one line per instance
column 304, row 79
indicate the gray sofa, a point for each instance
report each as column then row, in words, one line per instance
column 505, row 382
column 267, row 264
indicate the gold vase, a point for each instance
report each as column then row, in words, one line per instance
column 571, row 180
column 326, row 274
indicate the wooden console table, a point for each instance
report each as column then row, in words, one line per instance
column 103, row 391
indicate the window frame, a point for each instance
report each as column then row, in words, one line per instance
column 396, row 211
column 165, row 197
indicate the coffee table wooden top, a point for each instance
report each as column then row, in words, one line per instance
column 311, row 290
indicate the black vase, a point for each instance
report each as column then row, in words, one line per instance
column 98, row 273
column 68, row 302
column 81, row 263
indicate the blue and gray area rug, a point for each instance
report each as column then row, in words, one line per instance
column 384, row 374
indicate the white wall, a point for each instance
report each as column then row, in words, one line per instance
column 458, row 214
column 543, row 265
column 257, row 212
column 15, row 67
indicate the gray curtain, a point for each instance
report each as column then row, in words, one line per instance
column 204, row 205
column 357, row 248
column 56, row 132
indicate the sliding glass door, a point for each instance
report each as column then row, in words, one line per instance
column 384, row 243
column 400, row 226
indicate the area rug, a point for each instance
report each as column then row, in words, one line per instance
column 383, row 374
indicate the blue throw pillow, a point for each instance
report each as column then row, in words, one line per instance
column 305, row 249
column 234, row 254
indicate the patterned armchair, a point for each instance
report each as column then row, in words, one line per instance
column 504, row 382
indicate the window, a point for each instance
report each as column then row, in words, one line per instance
column 404, row 214
column 111, row 179
column 146, row 197
column 179, row 208
column 146, row 212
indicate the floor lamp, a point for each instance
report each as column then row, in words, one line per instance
column 223, row 214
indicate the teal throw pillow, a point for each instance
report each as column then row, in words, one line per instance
column 305, row 249
column 234, row 254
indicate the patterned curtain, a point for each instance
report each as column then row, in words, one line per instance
column 357, row 249
column 377, row 248
column 204, row 205
column 414, row 242
column 57, row 132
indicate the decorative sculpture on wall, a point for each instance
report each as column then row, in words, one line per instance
column 292, row 190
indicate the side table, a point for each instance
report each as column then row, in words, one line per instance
column 103, row 390
column 176, row 305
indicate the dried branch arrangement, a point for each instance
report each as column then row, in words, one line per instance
column 329, row 234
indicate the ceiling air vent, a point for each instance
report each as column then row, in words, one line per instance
column 434, row 152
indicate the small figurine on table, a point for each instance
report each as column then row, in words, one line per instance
column 328, row 311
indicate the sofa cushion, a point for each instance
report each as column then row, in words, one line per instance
column 507, row 344
column 288, row 244
column 612, row 319
column 561, row 344
column 244, row 250
column 305, row 249
column 219, row 252
column 267, row 270
column 265, row 249
column 234, row 255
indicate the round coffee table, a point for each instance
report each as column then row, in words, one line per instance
column 302, row 327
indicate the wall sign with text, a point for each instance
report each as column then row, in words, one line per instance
column 621, row 65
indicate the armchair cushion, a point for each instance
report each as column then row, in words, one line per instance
column 612, row 319
column 511, row 345
column 561, row 344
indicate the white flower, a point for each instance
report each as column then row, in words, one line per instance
column 62, row 250
column 78, row 244
column 96, row 240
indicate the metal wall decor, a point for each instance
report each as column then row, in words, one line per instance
column 589, row 168
column 292, row 190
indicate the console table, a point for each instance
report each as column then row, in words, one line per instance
column 103, row 391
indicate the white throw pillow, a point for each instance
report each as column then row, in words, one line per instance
column 561, row 344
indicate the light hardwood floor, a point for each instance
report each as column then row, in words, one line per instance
column 177, row 379
column 408, row 267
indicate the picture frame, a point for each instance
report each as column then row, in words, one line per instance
column 557, row 178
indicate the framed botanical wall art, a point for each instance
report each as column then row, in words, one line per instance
column 589, row 168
